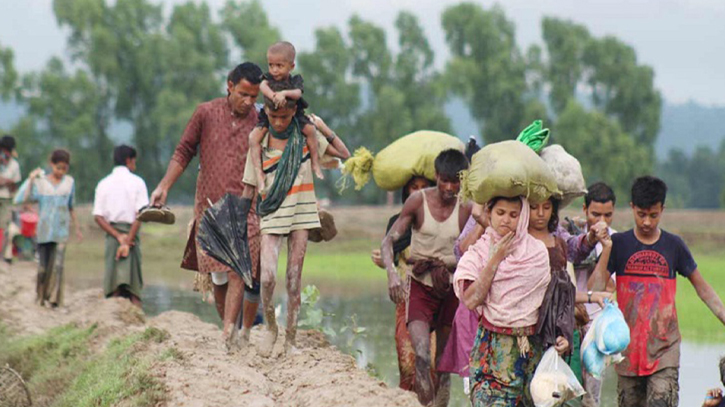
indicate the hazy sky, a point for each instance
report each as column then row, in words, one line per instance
column 684, row 40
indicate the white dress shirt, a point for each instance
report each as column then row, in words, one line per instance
column 120, row 195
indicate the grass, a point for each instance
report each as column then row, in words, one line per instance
column 62, row 371
column 697, row 323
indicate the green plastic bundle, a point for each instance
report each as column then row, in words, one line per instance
column 534, row 136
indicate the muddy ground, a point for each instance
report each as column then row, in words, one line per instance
column 316, row 374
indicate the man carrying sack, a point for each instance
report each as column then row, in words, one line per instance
column 437, row 218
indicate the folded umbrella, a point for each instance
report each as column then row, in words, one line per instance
column 223, row 234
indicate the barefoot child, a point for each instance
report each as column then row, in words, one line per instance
column 281, row 60
column 54, row 193
column 287, row 207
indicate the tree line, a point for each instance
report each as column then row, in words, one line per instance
column 135, row 66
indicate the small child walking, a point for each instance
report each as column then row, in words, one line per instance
column 281, row 61
column 54, row 194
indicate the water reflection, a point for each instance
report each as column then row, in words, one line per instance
column 375, row 349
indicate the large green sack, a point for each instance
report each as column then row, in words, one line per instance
column 409, row 156
column 567, row 171
column 508, row 169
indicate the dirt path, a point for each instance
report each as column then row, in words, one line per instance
column 316, row 374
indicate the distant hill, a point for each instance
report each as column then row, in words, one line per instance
column 689, row 125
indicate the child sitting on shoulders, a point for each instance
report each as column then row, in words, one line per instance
column 281, row 61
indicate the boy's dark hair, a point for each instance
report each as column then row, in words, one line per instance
column 601, row 193
column 450, row 162
column 284, row 48
column 122, row 153
column 278, row 87
column 554, row 220
column 60, row 155
column 647, row 191
column 7, row 142
column 248, row 71
column 722, row 370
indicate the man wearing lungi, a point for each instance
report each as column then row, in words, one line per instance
column 118, row 198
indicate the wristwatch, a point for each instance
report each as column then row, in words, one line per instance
column 589, row 296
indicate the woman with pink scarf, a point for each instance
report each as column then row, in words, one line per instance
column 504, row 277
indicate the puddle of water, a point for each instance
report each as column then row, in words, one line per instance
column 698, row 371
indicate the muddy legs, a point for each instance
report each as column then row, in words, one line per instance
column 296, row 248
column 269, row 255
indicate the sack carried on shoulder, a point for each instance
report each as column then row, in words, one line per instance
column 409, row 156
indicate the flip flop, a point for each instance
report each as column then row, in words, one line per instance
column 327, row 231
column 158, row 214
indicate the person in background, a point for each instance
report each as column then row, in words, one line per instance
column 118, row 198
column 55, row 195
column 9, row 179
column 599, row 208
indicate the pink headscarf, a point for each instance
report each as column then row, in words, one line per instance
column 520, row 282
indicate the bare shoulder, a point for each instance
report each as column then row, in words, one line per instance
column 413, row 203
column 464, row 212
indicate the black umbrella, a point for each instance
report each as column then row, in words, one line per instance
column 223, row 234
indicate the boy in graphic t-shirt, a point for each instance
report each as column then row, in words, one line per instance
column 646, row 261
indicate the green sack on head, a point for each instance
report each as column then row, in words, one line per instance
column 534, row 136
column 508, row 169
column 406, row 157
column 567, row 171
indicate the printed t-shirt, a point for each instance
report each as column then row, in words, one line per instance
column 646, row 288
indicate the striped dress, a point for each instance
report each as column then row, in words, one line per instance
column 299, row 209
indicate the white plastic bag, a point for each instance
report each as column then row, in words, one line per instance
column 554, row 383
